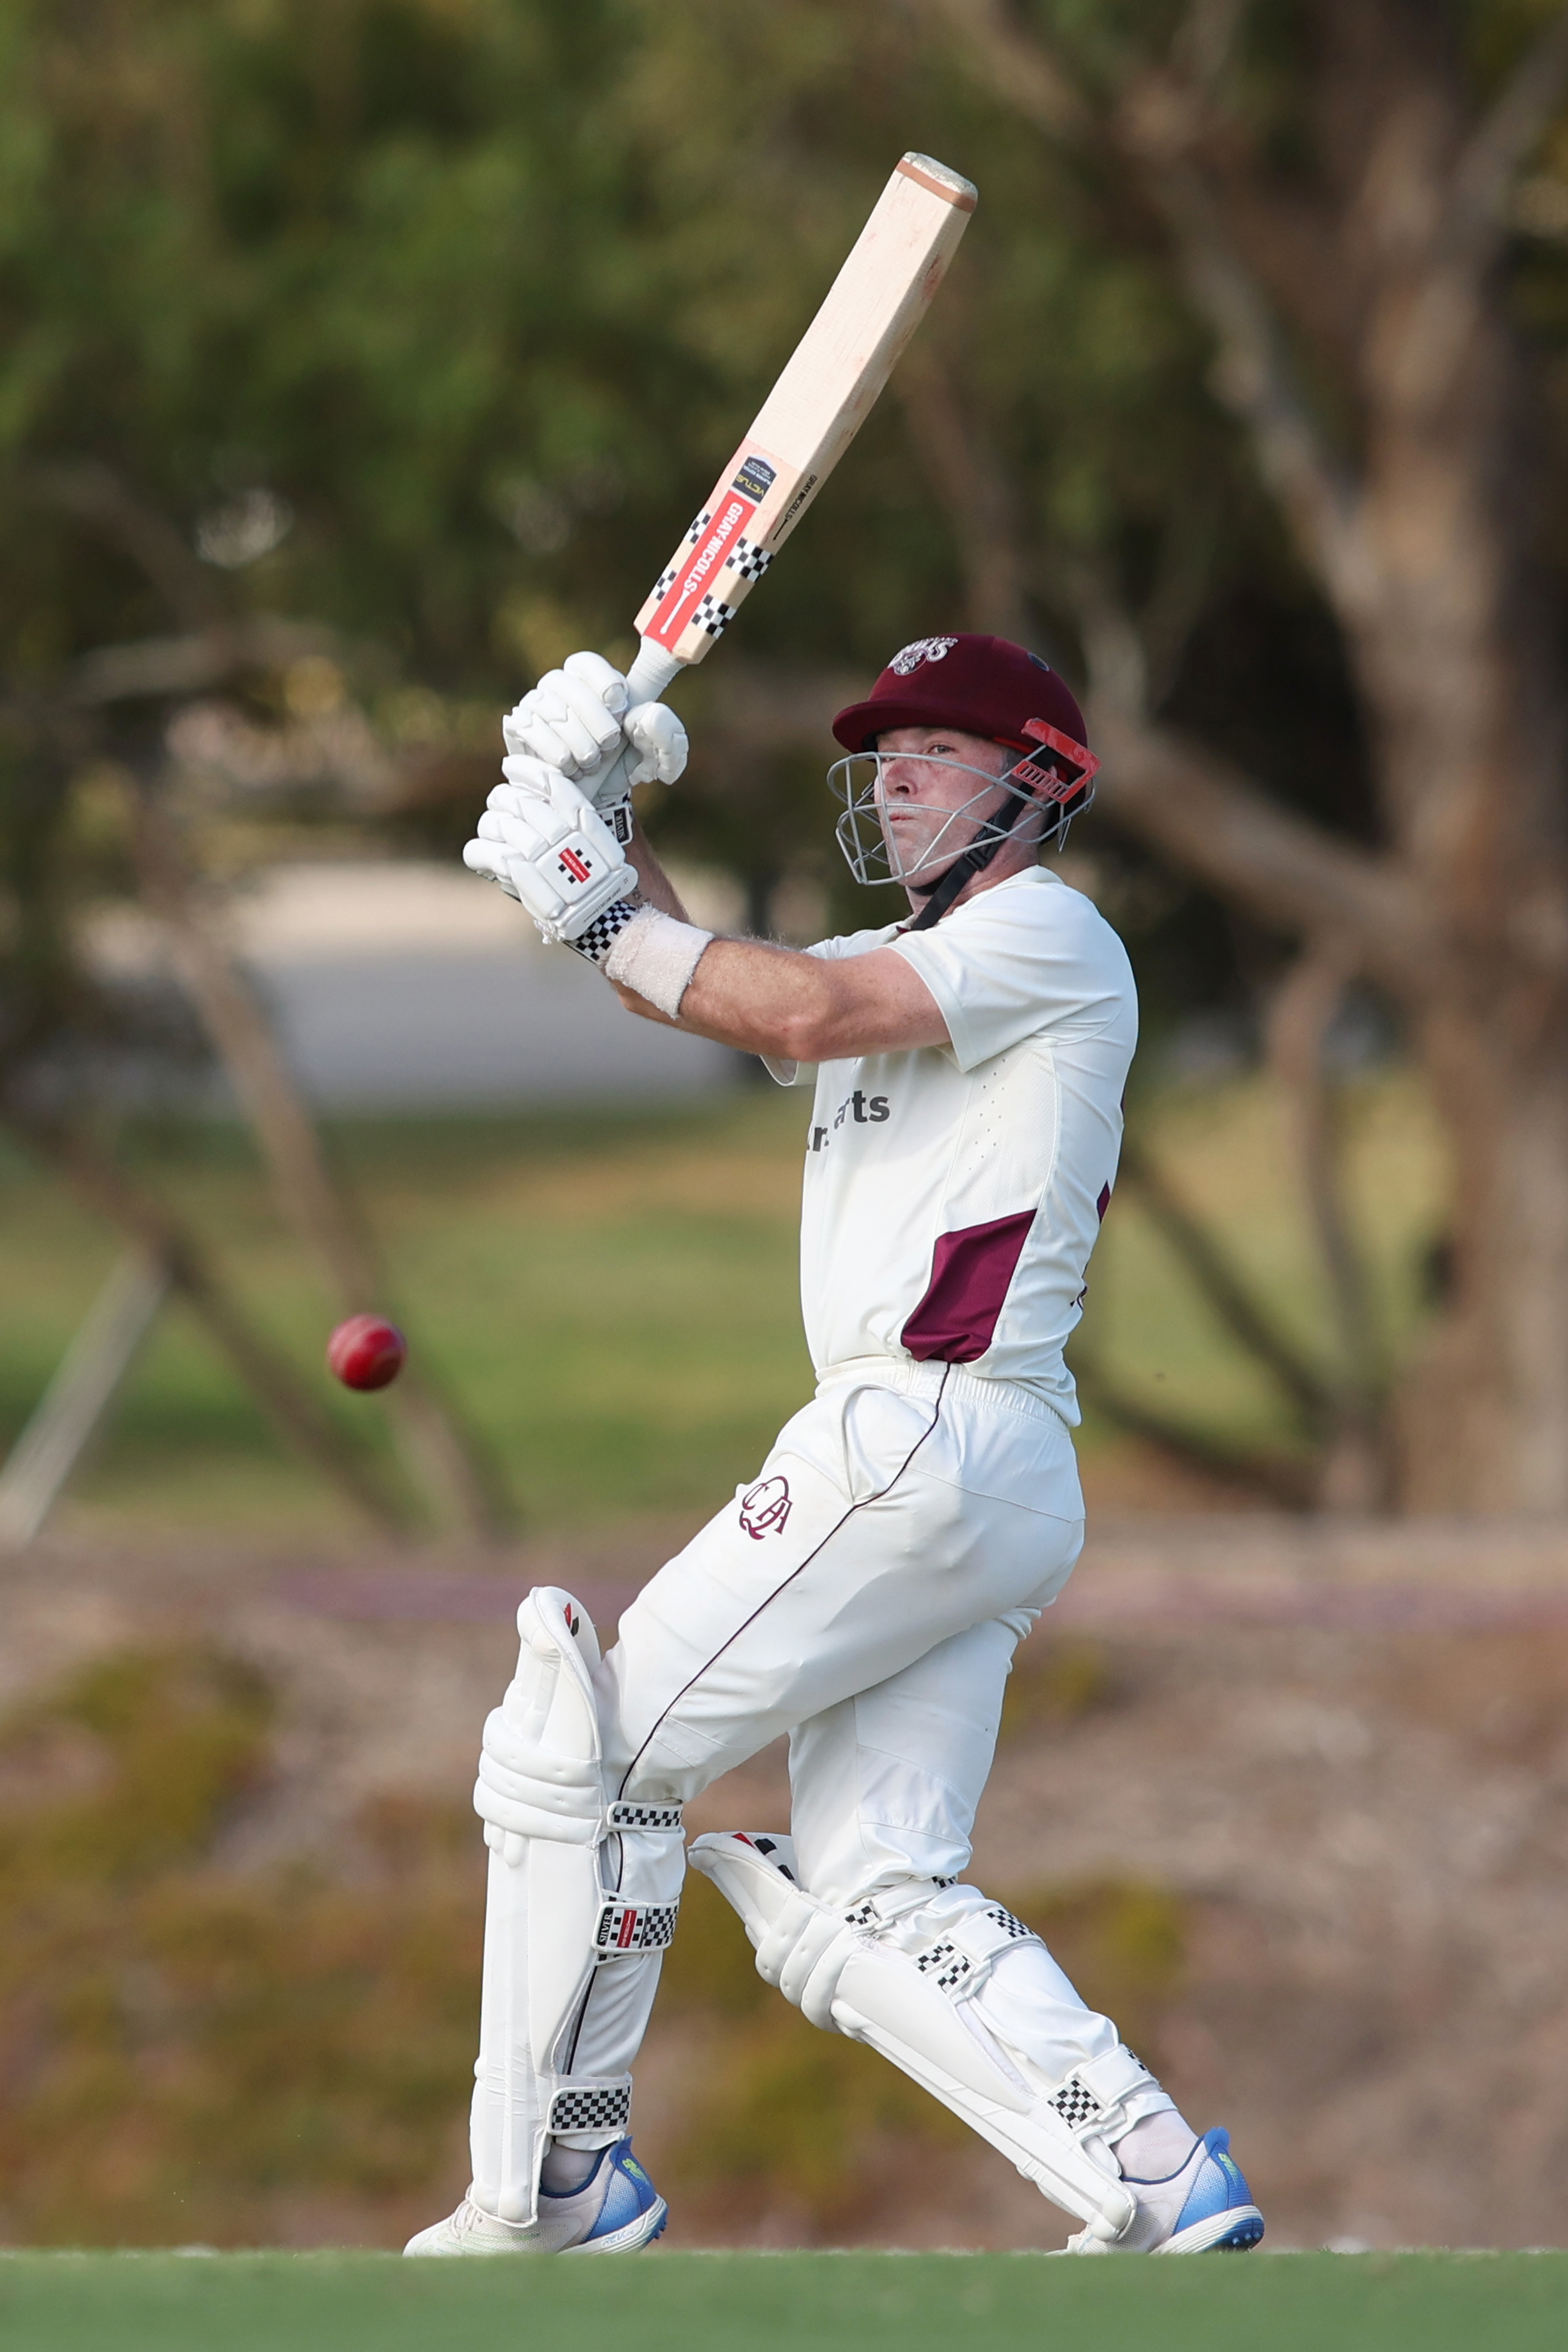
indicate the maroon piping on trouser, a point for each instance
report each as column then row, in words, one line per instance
column 783, row 1586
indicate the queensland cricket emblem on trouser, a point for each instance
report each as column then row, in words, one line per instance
column 764, row 1510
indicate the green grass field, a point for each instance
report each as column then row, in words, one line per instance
column 611, row 1300
column 831, row 2302
column 612, row 1297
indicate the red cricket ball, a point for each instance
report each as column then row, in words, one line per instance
column 366, row 1351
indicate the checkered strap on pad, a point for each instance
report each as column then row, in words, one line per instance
column 623, row 1816
column 1093, row 2095
column 584, row 2106
column 1076, row 2103
column 634, row 1928
column 958, row 1960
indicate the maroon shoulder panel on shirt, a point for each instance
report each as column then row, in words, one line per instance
column 971, row 1270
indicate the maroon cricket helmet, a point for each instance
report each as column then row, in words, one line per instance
column 987, row 686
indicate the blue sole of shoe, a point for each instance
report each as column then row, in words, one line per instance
column 630, row 2240
column 1221, row 2233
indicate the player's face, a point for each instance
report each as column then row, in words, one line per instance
column 926, row 775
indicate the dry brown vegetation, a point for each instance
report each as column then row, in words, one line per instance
column 193, row 2053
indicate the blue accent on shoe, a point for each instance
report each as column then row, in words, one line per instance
column 1221, row 2188
column 629, row 2195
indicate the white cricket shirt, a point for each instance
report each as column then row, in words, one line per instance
column 954, row 1193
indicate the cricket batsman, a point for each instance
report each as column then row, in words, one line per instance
column 866, row 1590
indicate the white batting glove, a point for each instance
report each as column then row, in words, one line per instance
column 659, row 740
column 576, row 720
column 542, row 839
column 571, row 720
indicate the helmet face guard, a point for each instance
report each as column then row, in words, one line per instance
column 1056, row 779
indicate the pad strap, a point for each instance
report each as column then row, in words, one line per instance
column 961, row 1958
column 585, row 2105
column 622, row 1816
column 1091, row 2098
column 633, row 1927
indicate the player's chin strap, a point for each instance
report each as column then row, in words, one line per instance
column 940, row 894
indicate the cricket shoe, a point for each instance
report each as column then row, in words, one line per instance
column 616, row 2209
column 1203, row 2208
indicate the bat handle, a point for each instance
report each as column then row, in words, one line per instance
column 651, row 672
column 645, row 681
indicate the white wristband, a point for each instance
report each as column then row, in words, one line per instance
column 655, row 956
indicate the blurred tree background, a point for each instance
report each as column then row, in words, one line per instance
column 358, row 360
column 361, row 358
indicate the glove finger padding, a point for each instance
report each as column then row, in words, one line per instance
column 579, row 722
column 601, row 677
column 571, row 716
column 526, row 733
column 484, row 858
column 659, row 740
column 552, row 850
column 531, row 1791
column 575, row 722
column 526, row 778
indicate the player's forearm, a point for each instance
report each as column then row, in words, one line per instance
column 801, row 1008
column 749, row 999
column 759, row 998
column 655, row 887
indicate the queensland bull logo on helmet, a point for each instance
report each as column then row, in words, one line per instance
column 924, row 649
column 764, row 1510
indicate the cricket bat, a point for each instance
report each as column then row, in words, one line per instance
column 807, row 421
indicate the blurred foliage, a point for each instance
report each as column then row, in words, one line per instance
column 184, row 2049
column 424, row 322
column 409, row 330
column 472, row 295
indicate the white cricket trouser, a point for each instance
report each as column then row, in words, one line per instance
column 865, row 1593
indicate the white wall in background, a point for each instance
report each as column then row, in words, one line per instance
column 409, row 986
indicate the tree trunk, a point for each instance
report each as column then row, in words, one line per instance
column 432, row 1440
column 1355, row 1474
column 1461, row 684
column 1482, row 1418
column 1415, row 514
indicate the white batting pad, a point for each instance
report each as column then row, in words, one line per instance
column 549, row 1919
column 917, row 2008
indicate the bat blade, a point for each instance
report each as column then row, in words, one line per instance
column 808, row 420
